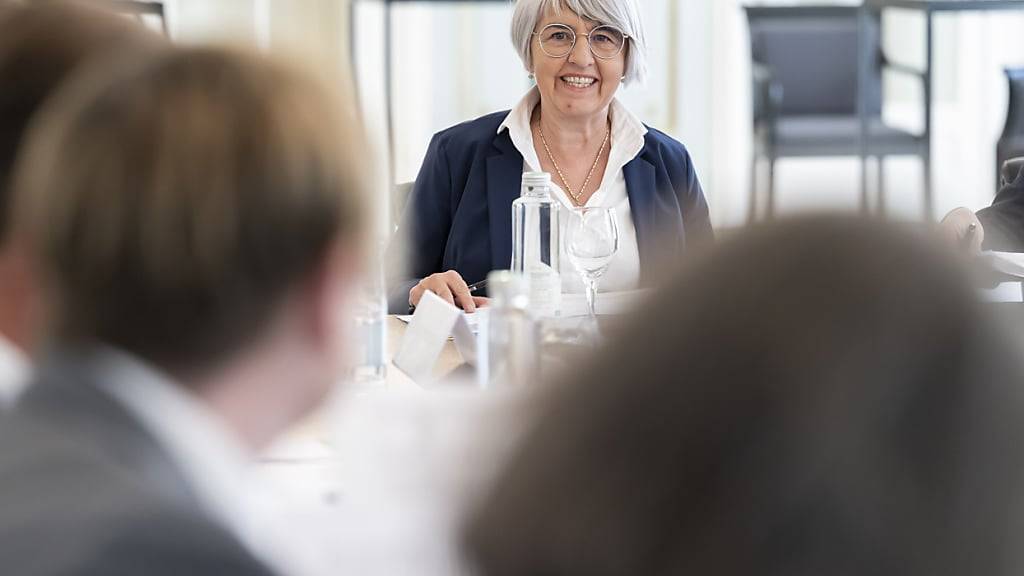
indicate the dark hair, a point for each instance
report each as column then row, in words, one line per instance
column 41, row 44
column 823, row 396
column 172, row 206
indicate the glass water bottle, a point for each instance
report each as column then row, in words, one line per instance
column 510, row 353
column 535, row 243
column 370, row 318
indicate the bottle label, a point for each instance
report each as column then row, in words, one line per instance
column 545, row 290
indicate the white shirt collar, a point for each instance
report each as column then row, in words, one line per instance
column 627, row 136
column 211, row 456
column 14, row 372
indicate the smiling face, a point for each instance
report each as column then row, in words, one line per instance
column 577, row 85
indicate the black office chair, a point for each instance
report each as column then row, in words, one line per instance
column 804, row 62
column 141, row 10
column 1011, row 171
column 1011, row 141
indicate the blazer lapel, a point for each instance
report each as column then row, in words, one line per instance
column 504, row 178
column 640, row 188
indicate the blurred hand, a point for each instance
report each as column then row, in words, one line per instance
column 956, row 227
column 450, row 287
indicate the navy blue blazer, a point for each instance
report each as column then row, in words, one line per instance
column 1004, row 219
column 459, row 214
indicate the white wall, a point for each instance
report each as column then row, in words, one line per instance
column 314, row 33
column 455, row 62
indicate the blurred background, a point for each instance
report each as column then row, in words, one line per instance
column 419, row 66
column 453, row 61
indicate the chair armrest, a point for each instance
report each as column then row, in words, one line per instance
column 1011, row 170
column 766, row 93
column 885, row 63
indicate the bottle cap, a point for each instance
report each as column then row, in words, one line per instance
column 532, row 180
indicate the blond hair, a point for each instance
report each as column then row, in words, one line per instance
column 172, row 206
column 41, row 44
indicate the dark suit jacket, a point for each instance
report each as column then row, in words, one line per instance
column 84, row 490
column 459, row 215
column 1004, row 219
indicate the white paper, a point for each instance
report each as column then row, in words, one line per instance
column 1005, row 292
column 465, row 337
column 472, row 320
column 425, row 337
column 1009, row 263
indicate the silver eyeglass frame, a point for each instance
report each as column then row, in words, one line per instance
column 576, row 36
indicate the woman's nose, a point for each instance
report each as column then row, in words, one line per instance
column 581, row 54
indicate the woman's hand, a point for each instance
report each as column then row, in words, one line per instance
column 449, row 286
column 956, row 227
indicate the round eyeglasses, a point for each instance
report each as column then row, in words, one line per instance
column 558, row 40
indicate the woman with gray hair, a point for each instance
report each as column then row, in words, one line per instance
column 578, row 52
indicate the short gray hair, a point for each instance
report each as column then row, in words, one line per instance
column 623, row 14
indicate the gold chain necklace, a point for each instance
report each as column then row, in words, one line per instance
column 575, row 195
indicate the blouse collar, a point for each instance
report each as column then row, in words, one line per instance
column 627, row 133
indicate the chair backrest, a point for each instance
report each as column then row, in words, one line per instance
column 811, row 51
column 399, row 197
column 140, row 10
column 1011, row 141
column 1011, row 170
column 1015, row 103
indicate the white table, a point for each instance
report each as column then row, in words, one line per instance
column 377, row 480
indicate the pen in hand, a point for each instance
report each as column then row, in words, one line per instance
column 477, row 286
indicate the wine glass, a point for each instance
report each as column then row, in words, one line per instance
column 591, row 240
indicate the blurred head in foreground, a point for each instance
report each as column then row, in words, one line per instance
column 200, row 211
column 41, row 45
column 835, row 402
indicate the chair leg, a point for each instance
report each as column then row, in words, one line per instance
column 881, row 185
column 752, row 209
column 929, row 209
column 771, row 188
column 865, row 207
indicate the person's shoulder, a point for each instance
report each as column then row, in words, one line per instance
column 200, row 547
column 134, row 540
column 85, row 494
column 662, row 145
column 69, row 510
column 472, row 132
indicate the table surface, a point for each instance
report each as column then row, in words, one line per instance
column 380, row 476
column 315, row 425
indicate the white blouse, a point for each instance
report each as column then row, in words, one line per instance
column 627, row 140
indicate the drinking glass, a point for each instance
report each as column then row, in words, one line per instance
column 591, row 240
